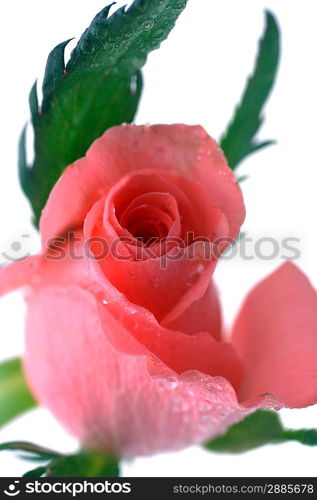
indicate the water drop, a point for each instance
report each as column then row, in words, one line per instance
column 207, row 419
column 148, row 25
column 204, row 405
column 200, row 268
column 158, row 34
column 178, row 5
column 190, row 377
column 138, row 62
column 179, row 404
column 214, row 387
column 169, row 383
column 222, row 412
column 134, row 85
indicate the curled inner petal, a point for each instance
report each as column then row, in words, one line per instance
column 151, row 217
column 163, row 278
column 180, row 152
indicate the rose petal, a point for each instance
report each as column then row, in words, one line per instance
column 179, row 351
column 166, row 286
column 64, row 264
column 276, row 336
column 19, row 274
column 184, row 151
column 128, row 404
column 203, row 315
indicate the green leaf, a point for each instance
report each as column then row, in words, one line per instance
column 260, row 428
column 38, row 472
column 84, row 464
column 33, row 101
column 22, row 160
column 54, row 71
column 15, row 396
column 30, row 451
column 239, row 140
column 98, row 88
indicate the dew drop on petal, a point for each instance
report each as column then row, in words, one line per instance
column 207, row 419
column 179, row 404
column 200, row 268
column 213, row 387
column 169, row 383
column 204, row 405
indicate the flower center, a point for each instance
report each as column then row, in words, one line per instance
column 150, row 217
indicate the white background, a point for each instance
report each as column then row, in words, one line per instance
column 196, row 77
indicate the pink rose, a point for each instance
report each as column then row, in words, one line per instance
column 125, row 347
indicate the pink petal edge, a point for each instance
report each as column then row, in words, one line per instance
column 186, row 151
column 276, row 335
column 129, row 404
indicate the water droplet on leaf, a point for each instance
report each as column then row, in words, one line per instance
column 148, row 25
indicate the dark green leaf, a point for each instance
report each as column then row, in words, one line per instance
column 15, row 396
column 54, row 71
column 33, row 102
column 258, row 429
column 100, row 87
column 30, row 451
column 239, row 140
column 84, row 464
column 22, row 160
column 242, row 178
column 38, row 472
column 307, row 437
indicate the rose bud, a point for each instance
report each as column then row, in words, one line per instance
column 124, row 341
